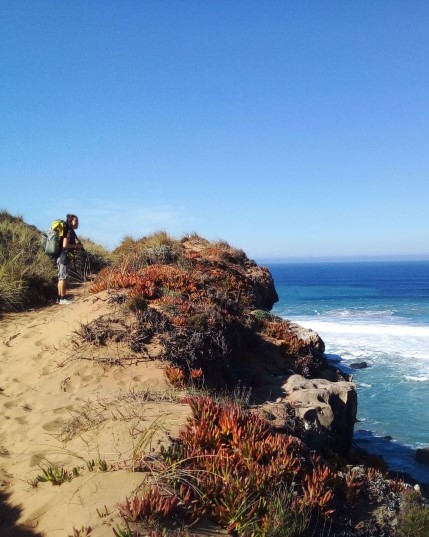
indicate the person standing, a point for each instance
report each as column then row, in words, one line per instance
column 69, row 244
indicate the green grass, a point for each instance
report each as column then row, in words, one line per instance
column 414, row 520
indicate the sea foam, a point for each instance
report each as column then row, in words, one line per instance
column 398, row 330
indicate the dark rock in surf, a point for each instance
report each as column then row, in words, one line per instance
column 422, row 455
column 359, row 365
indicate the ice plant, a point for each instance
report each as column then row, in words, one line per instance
column 237, row 462
column 175, row 376
column 149, row 506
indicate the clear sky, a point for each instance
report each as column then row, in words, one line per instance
column 288, row 128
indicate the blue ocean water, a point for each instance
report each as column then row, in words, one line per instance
column 377, row 313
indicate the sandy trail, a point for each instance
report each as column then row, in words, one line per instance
column 60, row 407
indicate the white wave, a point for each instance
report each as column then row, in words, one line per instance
column 416, row 379
column 364, row 385
column 403, row 348
column 397, row 330
column 372, row 340
column 359, row 313
column 361, row 354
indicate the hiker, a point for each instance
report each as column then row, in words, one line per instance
column 69, row 243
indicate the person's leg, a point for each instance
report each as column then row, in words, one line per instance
column 62, row 288
column 62, row 281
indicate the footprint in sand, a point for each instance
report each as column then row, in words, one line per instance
column 37, row 459
column 4, row 452
column 63, row 410
column 54, row 425
column 118, row 374
column 88, row 378
column 14, row 404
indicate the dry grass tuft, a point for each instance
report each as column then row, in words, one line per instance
column 27, row 274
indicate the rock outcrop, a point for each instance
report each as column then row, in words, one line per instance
column 422, row 455
column 208, row 306
column 328, row 410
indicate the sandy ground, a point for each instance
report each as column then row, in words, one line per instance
column 59, row 406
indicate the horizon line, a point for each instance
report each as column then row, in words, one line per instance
column 345, row 259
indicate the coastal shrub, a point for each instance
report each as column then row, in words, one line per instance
column 179, row 379
column 135, row 329
column 149, row 282
column 307, row 362
column 101, row 464
column 222, row 251
column 280, row 329
column 238, row 470
column 102, row 330
column 262, row 315
column 150, row 506
column 189, row 349
column 175, row 376
column 159, row 247
column 281, row 519
column 27, row 275
column 136, row 304
column 92, row 260
column 414, row 519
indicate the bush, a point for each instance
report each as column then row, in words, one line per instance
column 244, row 476
column 27, row 275
column 96, row 256
column 414, row 520
column 156, row 248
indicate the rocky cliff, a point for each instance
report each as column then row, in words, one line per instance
column 208, row 307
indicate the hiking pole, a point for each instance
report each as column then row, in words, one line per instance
column 87, row 268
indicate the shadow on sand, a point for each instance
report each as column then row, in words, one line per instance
column 9, row 516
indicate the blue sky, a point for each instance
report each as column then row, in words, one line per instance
column 291, row 129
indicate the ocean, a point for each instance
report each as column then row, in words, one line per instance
column 378, row 313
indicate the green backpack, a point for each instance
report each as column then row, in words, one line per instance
column 52, row 239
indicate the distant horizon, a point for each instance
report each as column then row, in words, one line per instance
column 344, row 259
column 260, row 259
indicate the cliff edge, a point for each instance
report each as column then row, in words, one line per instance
column 208, row 307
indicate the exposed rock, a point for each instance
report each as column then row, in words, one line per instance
column 308, row 337
column 333, row 374
column 422, row 455
column 359, row 365
column 328, row 409
column 263, row 285
column 237, row 263
column 215, row 317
